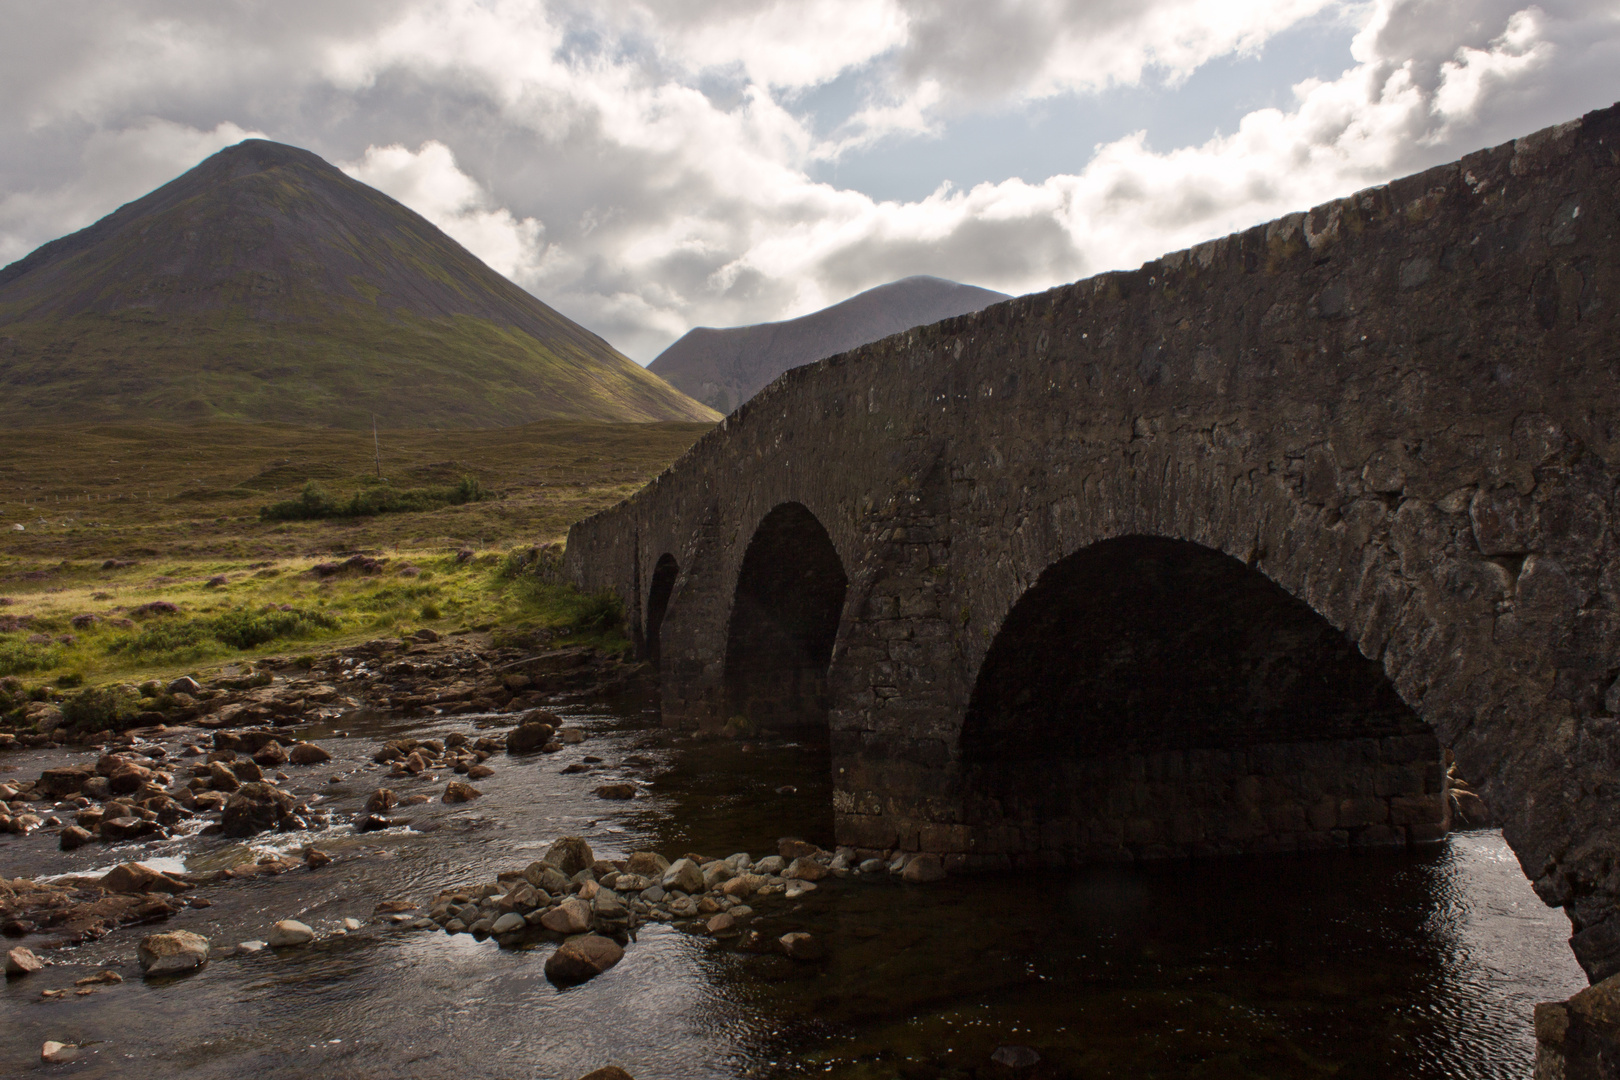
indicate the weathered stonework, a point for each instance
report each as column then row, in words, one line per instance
column 1400, row 408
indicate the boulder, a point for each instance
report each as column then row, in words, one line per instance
column 571, row 736
column 683, row 874
column 722, row 925
column 528, row 736
column 609, row 915
column 716, row 874
column 73, row 837
column 743, row 885
column 20, row 961
column 479, row 772
column 923, row 868
column 608, row 1072
column 66, row 780
column 805, row 869
column 247, row 771
column 380, row 800
column 572, row 916
column 254, row 808
column 289, row 932
column 582, row 958
column 1468, row 811
column 307, row 753
column 172, row 952
column 185, row 684
column 134, row 877
column 128, row 779
column 457, row 792
column 646, row 863
column 770, row 864
column 221, row 778
column 270, row 754
column 622, row 790
column 570, row 855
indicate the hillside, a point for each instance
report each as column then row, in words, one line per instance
column 724, row 368
column 265, row 284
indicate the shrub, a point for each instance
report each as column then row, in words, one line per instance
column 563, row 607
column 18, row 657
column 163, row 638
column 100, row 708
column 314, row 503
column 243, row 629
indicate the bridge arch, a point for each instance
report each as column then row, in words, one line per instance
column 785, row 614
column 659, row 592
column 1151, row 697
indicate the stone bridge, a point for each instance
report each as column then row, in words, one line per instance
column 1231, row 553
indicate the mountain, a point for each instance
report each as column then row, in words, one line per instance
column 265, row 284
column 724, row 368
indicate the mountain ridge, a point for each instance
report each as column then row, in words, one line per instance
column 266, row 284
column 723, row 367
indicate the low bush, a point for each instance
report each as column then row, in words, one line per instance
column 314, row 503
column 243, row 629
column 100, row 708
column 18, row 656
column 564, row 608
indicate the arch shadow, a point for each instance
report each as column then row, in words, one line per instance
column 1152, row 697
column 658, row 595
column 784, row 621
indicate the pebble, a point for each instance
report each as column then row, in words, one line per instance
column 351, row 924
column 251, row 946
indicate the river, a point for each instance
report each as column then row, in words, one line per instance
column 1347, row 965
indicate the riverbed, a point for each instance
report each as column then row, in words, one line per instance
column 1388, row 964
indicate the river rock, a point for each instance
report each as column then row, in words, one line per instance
column 790, row 848
column 722, row 925
column 770, row 864
column 134, row 877
column 380, row 800
column 510, row 923
column 608, row 1072
column 1468, row 810
column 479, row 772
column 128, row 779
column 743, row 885
column 21, row 961
column 307, row 753
column 646, row 863
column 572, row 916
column 683, row 874
column 621, row 790
column 63, row 781
column 1015, row 1057
column 527, row 737
column 254, row 808
column 56, row 1053
column 172, row 952
column 609, row 915
column 185, row 684
column 457, row 792
column 221, row 778
column 73, row 837
column 119, row 829
column 571, row 736
column 289, row 932
column 570, row 855
column 800, row 946
column 923, row 868
column 582, row 958
column 716, row 874
column 546, row 877
column 805, row 869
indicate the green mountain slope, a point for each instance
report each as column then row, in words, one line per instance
column 265, row 284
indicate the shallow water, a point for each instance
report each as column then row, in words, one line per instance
column 1394, row 964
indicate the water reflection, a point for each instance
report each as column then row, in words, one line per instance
column 1394, row 964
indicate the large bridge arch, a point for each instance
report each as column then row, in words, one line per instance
column 1402, row 407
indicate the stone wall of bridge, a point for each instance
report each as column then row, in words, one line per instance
column 1399, row 409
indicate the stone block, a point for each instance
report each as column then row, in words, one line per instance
column 1372, row 836
column 1417, row 810
column 1362, row 811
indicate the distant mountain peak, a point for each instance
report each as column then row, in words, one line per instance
column 724, row 367
column 267, row 284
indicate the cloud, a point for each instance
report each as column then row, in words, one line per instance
column 646, row 167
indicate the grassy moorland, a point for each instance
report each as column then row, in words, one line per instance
column 143, row 550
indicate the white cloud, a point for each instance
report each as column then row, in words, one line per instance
column 666, row 148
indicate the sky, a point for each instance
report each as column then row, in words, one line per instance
column 650, row 167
